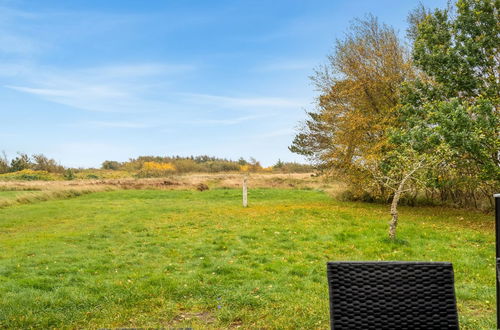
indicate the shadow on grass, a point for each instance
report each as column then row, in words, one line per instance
column 396, row 241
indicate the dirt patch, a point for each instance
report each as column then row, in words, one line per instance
column 205, row 317
column 236, row 324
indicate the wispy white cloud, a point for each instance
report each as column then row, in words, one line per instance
column 18, row 68
column 276, row 133
column 95, row 91
column 11, row 43
column 85, row 91
column 99, row 98
column 287, row 65
column 168, row 122
column 228, row 121
column 133, row 70
column 118, row 124
column 114, row 88
column 244, row 102
column 9, row 13
column 90, row 153
column 12, row 40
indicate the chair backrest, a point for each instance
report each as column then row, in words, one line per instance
column 392, row 295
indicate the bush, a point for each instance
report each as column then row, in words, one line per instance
column 4, row 166
column 21, row 162
column 155, row 170
column 187, row 165
column 111, row 165
column 221, row 166
column 29, row 175
column 201, row 187
column 363, row 196
column 43, row 163
column 69, row 175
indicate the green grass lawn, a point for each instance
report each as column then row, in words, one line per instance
column 140, row 258
column 11, row 194
column 9, row 197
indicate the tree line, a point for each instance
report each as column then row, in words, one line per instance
column 414, row 118
column 150, row 166
column 144, row 166
column 36, row 162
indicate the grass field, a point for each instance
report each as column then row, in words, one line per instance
column 8, row 195
column 157, row 258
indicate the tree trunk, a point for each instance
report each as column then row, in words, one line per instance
column 394, row 209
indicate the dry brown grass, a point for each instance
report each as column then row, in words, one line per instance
column 45, row 190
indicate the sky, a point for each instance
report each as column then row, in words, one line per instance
column 87, row 81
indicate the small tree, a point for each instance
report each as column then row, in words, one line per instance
column 110, row 165
column 69, row 174
column 4, row 163
column 21, row 162
column 401, row 171
column 356, row 106
column 43, row 163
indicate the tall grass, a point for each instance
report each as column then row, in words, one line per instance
column 29, row 196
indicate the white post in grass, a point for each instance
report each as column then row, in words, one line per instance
column 245, row 191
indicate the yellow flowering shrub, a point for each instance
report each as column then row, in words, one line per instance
column 155, row 169
column 154, row 166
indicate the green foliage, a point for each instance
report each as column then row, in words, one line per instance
column 69, row 174
column 4, row 164
column 93, row 174
column 279, row 164
column 291, row 167
column 356, row 106
column 29, row 175
column 414, row 18
column 37, row 162
column 143, row 258
column 455, row 103
column 201, row 164
column 43, row 163
column 21, row 162
column 111, row 165
column 459, row 50
column 442, row 110
column 187, row 166
column 220, row 166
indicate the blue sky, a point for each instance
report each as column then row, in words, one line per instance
column 86, row 81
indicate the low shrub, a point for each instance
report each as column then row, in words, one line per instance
column 155, row 170
column 30, row 175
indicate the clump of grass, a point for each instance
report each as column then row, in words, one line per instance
column 42, row 196
column 19, row 188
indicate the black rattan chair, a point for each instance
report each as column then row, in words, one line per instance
column 392, row 295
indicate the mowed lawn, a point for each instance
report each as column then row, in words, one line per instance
column 150, row 258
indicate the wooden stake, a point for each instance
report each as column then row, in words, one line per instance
column 245, row 192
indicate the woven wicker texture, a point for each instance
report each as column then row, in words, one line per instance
column 392, row 295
